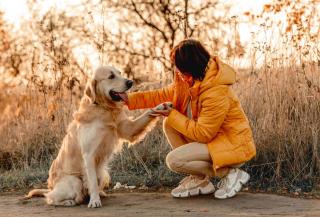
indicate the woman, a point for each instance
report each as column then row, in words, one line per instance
column 206, row 128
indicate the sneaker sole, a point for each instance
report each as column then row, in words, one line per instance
column 209, row 189
column 237, row 187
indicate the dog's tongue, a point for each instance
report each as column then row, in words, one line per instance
column 123, row 96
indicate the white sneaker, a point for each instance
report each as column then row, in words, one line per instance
column 193, row 186
column 231, row 184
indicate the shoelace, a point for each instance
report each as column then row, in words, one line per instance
column 184, row 179
column 187, row 180
column 223, row 182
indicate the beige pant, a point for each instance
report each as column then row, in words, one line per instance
column 188, row 156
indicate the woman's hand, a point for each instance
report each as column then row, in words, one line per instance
column 163, row 109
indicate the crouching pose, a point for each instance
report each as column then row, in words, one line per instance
column 80, row 168
column 207, row 128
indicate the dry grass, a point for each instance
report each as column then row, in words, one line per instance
column 284, row 113
column 282, row 106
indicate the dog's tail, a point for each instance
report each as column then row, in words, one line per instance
column 37, row 193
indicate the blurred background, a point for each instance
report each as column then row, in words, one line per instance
column 49, row 48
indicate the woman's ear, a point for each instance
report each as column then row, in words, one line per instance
column 91, row 90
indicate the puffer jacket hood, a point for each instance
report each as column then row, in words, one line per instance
column 218, row 73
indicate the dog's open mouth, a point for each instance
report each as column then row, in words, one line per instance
column 118, row 96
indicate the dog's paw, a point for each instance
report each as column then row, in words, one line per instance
column 162, row 106
column 68, row 203
column 95, row 202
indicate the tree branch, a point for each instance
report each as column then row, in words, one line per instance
column 148, row 23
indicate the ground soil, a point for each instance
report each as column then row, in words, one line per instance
column 139, row 204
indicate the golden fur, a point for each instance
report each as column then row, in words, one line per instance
column 95, row 133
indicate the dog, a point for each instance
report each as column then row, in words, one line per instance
column 94, row 135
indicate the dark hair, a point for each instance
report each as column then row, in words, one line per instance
column 191, row 58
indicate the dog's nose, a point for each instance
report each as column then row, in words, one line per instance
column 129, row 83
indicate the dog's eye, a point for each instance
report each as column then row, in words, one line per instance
column 111, row 76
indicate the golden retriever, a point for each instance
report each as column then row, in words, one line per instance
column 95, row 133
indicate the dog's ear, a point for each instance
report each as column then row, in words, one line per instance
column 91, row 90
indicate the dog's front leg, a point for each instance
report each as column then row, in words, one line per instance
column 89, row 142
column 134, row 130
column 90, row 168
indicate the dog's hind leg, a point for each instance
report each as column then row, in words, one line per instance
column 67, row 192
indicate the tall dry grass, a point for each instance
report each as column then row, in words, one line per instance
column 284, row 111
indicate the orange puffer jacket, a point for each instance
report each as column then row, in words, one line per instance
column 218, row 119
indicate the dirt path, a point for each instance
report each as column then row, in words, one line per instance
column 162, row 204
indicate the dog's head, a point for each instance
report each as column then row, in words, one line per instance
column 107, row 85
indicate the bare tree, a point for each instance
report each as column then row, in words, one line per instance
column 9, row 62
column 136, row 35
column 157, row 26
